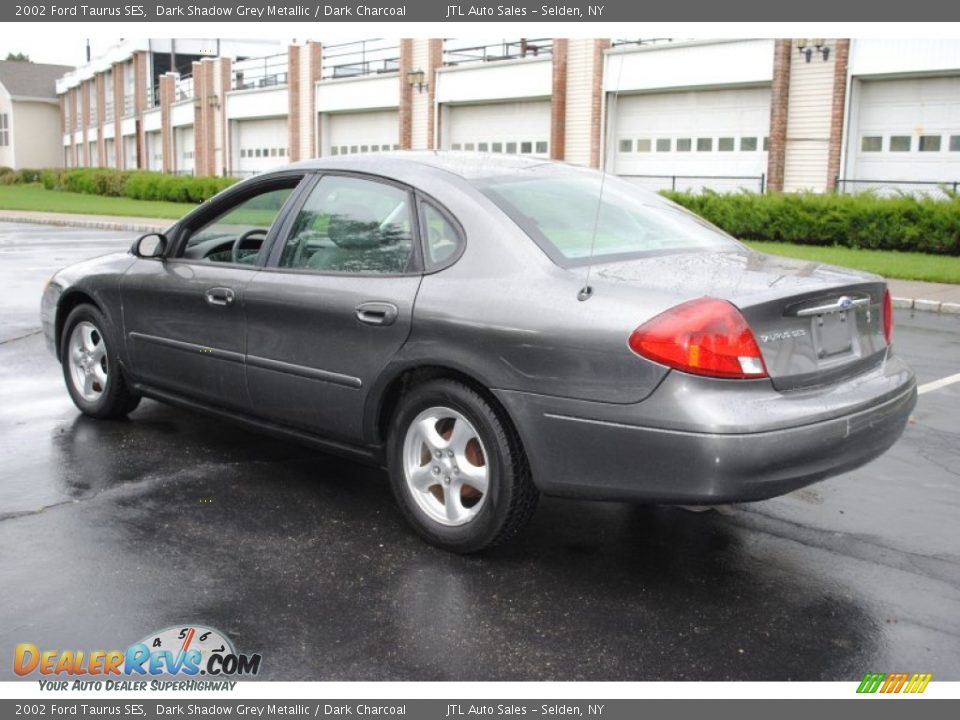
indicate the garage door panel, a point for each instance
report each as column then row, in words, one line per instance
column 261, row 144
column 890, row 113
column 658, row 134
column 514, row 127
column 351, row 133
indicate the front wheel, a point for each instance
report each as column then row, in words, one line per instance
column 457, row 469
column 90, row 368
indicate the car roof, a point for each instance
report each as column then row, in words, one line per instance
column 467, row 165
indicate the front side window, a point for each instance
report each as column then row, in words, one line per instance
column 350, row 225
column 237, row 235
column 567, row 215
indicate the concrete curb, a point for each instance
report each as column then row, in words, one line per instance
column 79, row 222
column 118, row 226
column 927, row 305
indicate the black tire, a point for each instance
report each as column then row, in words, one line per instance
column 511, row 495
column 115, row 399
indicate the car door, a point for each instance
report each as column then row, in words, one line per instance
column 334, row 304
column 183, row 313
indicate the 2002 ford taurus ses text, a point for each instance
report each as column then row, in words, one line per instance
column 429, row 311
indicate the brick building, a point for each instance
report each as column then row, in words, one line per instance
column 789, row 114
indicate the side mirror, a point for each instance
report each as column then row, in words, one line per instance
column 150, row 245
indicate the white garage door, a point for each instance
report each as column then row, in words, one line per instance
column 130, row 152
column 710, row 136
column 373, row 131
column 154, row 147
column 184, row 149
column 260, row 144
column 516, row 128
column 905, row 130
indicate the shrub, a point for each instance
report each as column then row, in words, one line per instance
column 23, row 176
column 135, row 184
column 902, row 222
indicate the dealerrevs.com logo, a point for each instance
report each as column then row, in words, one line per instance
column 178, row 651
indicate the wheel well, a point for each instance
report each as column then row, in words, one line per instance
column 412, row 377
column 65, row 307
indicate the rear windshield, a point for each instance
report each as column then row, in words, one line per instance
column 566, row 217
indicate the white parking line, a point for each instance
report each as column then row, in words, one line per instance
column 937, row 384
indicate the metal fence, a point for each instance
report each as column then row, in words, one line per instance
column 698, row 183
column 897, row 187
column 456, row 52
column 372, row 56
column 269, row 71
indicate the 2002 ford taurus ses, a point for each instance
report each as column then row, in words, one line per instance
column 431, row 312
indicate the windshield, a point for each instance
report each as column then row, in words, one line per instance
column 560, row 214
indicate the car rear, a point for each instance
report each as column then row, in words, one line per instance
column 775, row 373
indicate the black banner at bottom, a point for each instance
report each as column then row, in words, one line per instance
column 875, row 708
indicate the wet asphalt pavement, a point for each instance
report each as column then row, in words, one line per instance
column 111, row 530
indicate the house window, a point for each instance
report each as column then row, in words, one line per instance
column 871, row 143
column 899, row 143
column 955, row 143
column 541, row 147
column 643, row 145
column 512, row 148
column 663, row 144
column 4, row 130
column 725, row 144
column 456, row 146
column 684, row 144
column 704, row 144
column 766, row 144
column 526, row 147
column 929, row 143
column 748, row 144
column 483, row 147
column 626, row 145
column 497, row 147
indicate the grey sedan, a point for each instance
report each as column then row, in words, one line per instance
column 490, row 328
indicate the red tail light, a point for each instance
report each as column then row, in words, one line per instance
column 706, row 336
column 887, row 317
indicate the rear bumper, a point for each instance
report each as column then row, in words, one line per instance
column 698, row 441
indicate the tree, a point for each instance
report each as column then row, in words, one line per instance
column 18, row 57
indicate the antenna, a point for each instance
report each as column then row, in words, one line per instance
column 586, row 292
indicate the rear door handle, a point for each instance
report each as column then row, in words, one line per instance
column 377, row 313
column 219, row 297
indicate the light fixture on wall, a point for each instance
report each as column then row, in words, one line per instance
column 806, row 47
column 417, row 78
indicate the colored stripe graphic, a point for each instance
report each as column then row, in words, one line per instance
column 894, row 683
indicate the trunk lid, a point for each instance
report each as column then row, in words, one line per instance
column 814, row 323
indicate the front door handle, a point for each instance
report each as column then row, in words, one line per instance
column 377, row 313
column 219, row 297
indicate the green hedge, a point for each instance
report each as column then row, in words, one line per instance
column 136, row 184
column 902, row 222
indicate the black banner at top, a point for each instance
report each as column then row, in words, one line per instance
column 443, row 10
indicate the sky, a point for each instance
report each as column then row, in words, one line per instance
column 62, row 52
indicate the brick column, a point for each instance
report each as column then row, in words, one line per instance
column 406, row 95
column 779, row 96
column 168, row 89
column 118, row 115
column 141, row 67
column 85, row 120
column 558, row 100
column 223, row 78
column 293, row 102
column 838, row 108
column 434, row 63
column 101, row 110
column 596, row 105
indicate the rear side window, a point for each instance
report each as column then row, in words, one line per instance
column 573, row 215
column 351, row 225
column 443, row 241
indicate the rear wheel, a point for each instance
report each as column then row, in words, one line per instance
column 90, row 368
column 457, row 468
